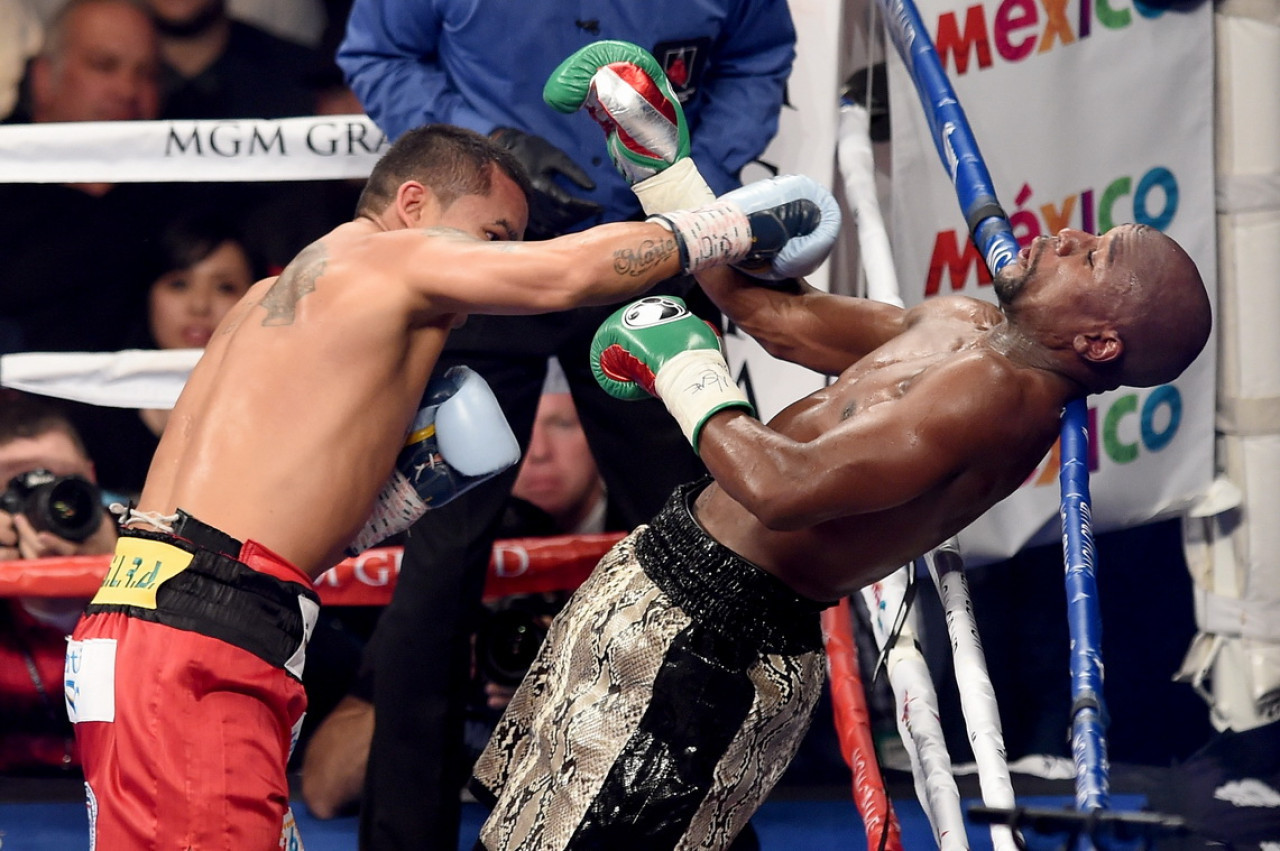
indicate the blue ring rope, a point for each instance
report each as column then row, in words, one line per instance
column 993, row 235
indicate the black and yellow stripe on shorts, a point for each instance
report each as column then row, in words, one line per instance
column 171, row 580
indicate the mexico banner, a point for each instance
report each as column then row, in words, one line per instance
column 1089, row 113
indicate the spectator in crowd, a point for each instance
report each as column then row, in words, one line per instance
column 558, row 474
column 482, row 66
column 35, row 735
column 557, row 491
column 219, row 67
column 21, row 32
column 71, row 279
column 200, row 266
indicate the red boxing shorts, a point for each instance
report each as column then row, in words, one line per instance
column 183, row 680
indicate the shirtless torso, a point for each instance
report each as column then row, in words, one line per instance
column 953, row 455
column 939, row 411
column 291, row 421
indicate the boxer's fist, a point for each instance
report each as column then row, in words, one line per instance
column 629, row 96
column 794, row 225
column 655, row 346
column 774, row 229
column 458, row 439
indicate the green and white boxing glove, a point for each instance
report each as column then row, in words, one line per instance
column 656, row 347
column 625, row 90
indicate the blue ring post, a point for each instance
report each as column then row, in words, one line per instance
column 992, row 234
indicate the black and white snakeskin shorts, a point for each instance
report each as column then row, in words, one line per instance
column 667, row 700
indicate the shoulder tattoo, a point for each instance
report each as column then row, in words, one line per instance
column 297, row 279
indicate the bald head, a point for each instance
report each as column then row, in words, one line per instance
column 1127, row 307
column 1162, row 310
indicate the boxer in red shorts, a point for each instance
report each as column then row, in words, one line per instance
column 215, row 651
column 300, row 437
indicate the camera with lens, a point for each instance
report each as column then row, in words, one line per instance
column 508, row 639
column 67, row 506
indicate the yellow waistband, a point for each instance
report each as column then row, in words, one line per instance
column 139, row 568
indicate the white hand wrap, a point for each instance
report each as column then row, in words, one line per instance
column 397, row 507
column 679, row 187
column 694, row 385
column 714, row 235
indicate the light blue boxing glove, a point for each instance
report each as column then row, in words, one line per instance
column 773, row 229
column 458, row 439
column 790, row 239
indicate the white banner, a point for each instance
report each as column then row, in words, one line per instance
column 1088, row 115
column 243, row 149
column 805, row 144
column 134, row 378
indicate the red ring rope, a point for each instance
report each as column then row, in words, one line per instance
column 853, row 726
column 517, row 566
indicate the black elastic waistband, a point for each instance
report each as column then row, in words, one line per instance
column 719, row 588
column 206, row 537
column 218, row 596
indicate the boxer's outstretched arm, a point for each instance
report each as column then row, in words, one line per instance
column 457, row 273
column 452, row 272
column 801, row 324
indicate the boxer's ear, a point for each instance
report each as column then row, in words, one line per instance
column 417, row 206
column 1099, row 347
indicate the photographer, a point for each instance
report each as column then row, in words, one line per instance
column 49, row 506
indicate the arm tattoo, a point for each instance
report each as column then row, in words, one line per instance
column 297, row 279
column 637, row 261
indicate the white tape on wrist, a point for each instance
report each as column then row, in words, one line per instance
column 397, row 507
column 694, row 385
column 714, row 235
column 678, row 187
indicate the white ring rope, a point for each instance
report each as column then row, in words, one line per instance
column 977, row 697
column 134, row 378
column 914, row 695
column 325, row 147
column 914, row 692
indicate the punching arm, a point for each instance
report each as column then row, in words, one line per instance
column 801, row 324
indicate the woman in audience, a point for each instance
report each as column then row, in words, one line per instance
column 200, row 266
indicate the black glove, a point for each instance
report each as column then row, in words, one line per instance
column 552, row 210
